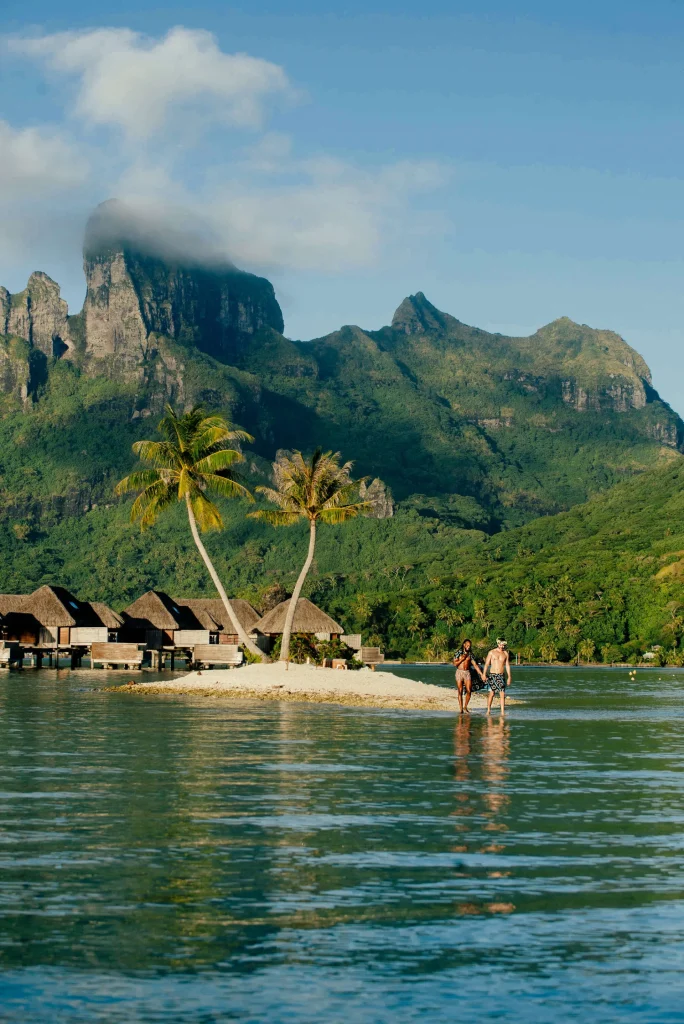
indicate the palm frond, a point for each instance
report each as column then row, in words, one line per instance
column 341, row 513
column 169, row 426
column 192, row 458
column 285, row 501
column 224, row 458
column 206, row 513
column 340, row 495
column 161, row 453
column 226, row 486
column 318, row 487
column 155, row 507
column 215, row 430
column 275, row 516
column 150, row 495
column 141, row 478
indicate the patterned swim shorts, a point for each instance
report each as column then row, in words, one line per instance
column 462, row 676
column 497, row 682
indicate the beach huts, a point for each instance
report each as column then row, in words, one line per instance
column 51, row 617
column 213, row 609
column 160, row 621
column 308, row 619
column 52, row 621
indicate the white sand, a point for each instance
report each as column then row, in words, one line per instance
column 362, row 688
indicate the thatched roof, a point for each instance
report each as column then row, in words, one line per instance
column 16, row 619
column 107, row 617
column 53, row 606
column 211, row 609
column 12, row 603
column 308, row 619
column 56, row 606
column 154, row 610
column 201, row 615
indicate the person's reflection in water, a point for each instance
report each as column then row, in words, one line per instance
column 463, row 778
column 495, row 754
column 495, row 769
column 462, row 750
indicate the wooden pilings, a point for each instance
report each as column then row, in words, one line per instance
column 109, row 655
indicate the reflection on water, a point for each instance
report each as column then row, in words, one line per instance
column 171, row 859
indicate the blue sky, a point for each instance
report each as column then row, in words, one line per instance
column 515, row 162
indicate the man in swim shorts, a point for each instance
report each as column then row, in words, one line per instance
column 498, row 665
column 465, row 663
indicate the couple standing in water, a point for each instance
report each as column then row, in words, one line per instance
column 496, row 673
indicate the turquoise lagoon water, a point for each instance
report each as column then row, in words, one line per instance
column 181, row 860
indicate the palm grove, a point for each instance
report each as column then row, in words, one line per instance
column 195, row 462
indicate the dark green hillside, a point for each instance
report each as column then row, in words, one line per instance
column 610, row 571
column 526, row 426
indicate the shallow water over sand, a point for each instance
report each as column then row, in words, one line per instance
column 178, row 859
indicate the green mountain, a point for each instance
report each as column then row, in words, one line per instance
column 525, row 426
column 474, row 433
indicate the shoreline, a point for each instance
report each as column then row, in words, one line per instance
column 540, row 664
column 312, row 685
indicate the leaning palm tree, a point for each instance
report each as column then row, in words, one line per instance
column 317, row 489
column 192, row 462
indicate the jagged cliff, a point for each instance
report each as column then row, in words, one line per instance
column 34, row 327
column 135, row 298
column 38, row 314
column 134, row 295
column 594, row 369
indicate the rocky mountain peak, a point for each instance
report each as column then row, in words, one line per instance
column 140, row 285
column 417, row 315
column 590, row 351
column 38, row 314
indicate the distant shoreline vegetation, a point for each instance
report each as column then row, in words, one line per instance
column 607, row 573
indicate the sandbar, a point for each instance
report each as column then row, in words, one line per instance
column 310, row 684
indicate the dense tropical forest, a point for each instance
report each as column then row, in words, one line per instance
column 535, row 481
column 603, row 579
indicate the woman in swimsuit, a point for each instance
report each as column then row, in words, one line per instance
column 465, row 663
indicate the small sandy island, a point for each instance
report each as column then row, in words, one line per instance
column 307, row 683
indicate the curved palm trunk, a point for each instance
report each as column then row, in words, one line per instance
column 237, row 625
column 289, row 618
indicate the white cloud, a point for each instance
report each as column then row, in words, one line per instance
column 41, row 172
column 333, row 218
column 264, row 207
column 139, row 84
column 273, row 211
column 37, row 163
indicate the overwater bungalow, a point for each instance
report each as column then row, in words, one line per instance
column 308, row 619
column 212, row 609
column 160, row 621
column 53, row 617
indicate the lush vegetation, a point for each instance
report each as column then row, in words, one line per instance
column 491, row 422
column 607, row 573
column 474, row 451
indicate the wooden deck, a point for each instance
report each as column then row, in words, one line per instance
column 370, row 656
column 116, row 655
column 229, row 655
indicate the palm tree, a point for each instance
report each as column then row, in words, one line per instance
column 585, row 649
column 191, row 463
column 317, row 489
column 549, row 651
